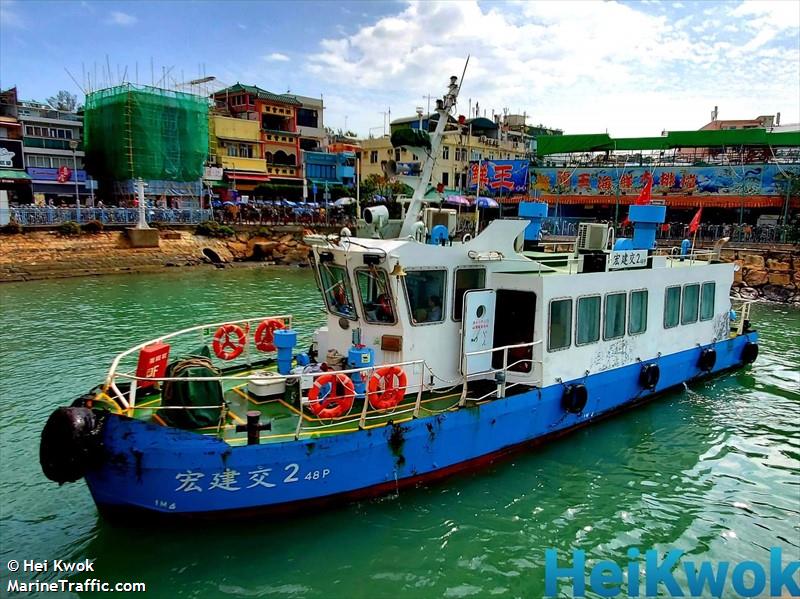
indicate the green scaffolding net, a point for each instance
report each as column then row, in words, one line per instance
column 143, row 132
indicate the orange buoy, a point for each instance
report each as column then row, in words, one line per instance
column 382, row 392
column 339, row 398
column 224, row 346
column 265, row 334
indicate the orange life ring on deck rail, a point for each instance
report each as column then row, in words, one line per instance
column 265, row 334
column 224, row 346
column 382, row 392
column 335, row 403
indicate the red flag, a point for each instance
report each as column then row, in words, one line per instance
column 644, row 196
column 695, row 221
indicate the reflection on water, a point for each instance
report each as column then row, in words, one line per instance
column 712, row 470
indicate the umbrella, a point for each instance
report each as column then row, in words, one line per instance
column 457, row 201
column 487, row 203
column 228, row 203
column 344, row 202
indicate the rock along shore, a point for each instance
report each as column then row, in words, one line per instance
column 35, row 255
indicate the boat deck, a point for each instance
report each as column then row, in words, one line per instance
column 283, row 414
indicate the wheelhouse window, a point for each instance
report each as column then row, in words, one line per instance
column 376, row 297
column 560, row 332
column 707, row 301
column 691, row 297
column 336, row 290
column 466, row 279
column 588, row 326
column 614, row 318
column 672, row 307
column 425, row 295
column 637, row 321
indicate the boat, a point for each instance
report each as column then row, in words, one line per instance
column 437, row 356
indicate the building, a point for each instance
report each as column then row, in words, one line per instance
column 310, row 123
column 159, row 136
column 278, row 136
column 329, row 169
column 235, row 146
column 760, row 122
column 481, row 139
column 54, row 156
column 14, row 181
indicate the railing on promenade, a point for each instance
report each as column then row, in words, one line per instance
column 42, row 216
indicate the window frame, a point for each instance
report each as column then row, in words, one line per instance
column 683, row 295
column 411, row 319
column 388, row 291
column 713, row 301
column 646, row 309
column 624, row 316
column 680, row 302
column 549, row 322
column 455, row 280
column 599, row 318
column 324, row 292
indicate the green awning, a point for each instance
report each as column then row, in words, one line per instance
column 601, row 142
column 14, row 174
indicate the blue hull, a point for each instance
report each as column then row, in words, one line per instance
column 170, row 471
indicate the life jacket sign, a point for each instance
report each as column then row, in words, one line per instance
column 153, row 361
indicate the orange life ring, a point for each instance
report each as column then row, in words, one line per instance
column 265, row 334
column 224, row 346
column 382, row 392
column 335, row 403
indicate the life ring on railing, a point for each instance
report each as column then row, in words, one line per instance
column 339, row 398
column 649, row 375
column 707, row 360
column 387, row 395
column 265, row 334
column 225, row 347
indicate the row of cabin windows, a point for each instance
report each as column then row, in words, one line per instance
column 697, row 302
column 588, row 322
column 686, row 304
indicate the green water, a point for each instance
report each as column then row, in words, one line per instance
column 713, row 470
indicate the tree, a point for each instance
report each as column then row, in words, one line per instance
column 64, row 101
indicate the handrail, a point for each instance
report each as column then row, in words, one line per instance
column 131, row 402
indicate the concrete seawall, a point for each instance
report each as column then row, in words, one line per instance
column 46, row 254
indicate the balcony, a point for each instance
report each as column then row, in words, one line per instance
column 49, row 144
column 237, row 129
column 280, row 137
column 253, row 165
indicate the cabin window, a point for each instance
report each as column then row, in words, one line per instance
column 425, row 295
column 588, row 320
column 672, row 307
column 637, row 321
column 707, row 301
column 560, row 324
column 466, row 279
column 376, row 297
column 691, row 297
column 337, row 291
column 614, row 318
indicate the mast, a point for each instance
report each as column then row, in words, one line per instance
column 443, row 107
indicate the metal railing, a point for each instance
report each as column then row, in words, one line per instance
column 740, row 314
column 502, row 382
column 43, row 216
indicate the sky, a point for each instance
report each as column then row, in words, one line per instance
column 628, row 68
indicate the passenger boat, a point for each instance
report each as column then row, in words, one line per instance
column 437, row 356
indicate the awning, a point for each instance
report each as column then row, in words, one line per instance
column 678, row 201
column 14, row 174
column 239, row 175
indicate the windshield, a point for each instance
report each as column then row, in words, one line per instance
column 336, row 290
column 376, row 299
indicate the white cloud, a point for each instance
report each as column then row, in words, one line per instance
column 121, row 18
column 9, row 17
column 241, row 26
column 584, row 66
column 276, row 57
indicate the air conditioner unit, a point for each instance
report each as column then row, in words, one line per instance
column 440, row 216
column 592, row 236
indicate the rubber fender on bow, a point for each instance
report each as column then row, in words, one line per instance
column 750, row 352
column 574, row 398
column 708, row 357
column 71, row 444
column 649, row 375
